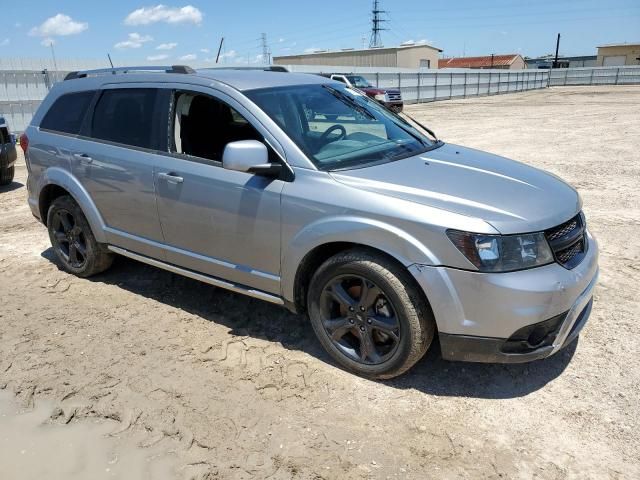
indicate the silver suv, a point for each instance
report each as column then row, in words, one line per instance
column 301, row 191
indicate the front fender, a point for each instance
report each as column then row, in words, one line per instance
column 63, row 178
column 364, row 231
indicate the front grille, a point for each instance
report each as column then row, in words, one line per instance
column 394, row 95
column 568, row 241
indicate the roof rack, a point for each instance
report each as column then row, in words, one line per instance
column 106, row 71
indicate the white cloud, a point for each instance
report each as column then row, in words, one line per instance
column 4, row 43
column 47, row 42
column 155, row 58
column 231, row 54
column 59, row 25
column 167, row 46
column 135, row 40
column 205, row 50
column 311, row 50
column 188, row 57
column 162, row 13
column 280, row 40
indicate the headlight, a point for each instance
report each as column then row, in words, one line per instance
column 502, row 253
column 381, row 97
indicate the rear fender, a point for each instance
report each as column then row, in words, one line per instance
column 62, row 178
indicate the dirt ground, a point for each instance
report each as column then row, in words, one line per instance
column 210, row 384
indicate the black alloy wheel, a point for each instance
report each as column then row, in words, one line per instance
column 359, row 319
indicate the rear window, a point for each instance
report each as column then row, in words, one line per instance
column 126, row 116
column 4, row 135
column 67, row 113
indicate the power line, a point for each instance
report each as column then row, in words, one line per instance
column 376, row 21
column 266, row 54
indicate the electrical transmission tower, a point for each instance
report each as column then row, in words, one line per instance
column 266, row 54
column 376, row 21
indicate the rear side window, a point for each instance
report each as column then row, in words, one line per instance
column 4, row 135
column 67, row 113
column 126, row 116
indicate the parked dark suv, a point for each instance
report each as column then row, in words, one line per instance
column 8, row 153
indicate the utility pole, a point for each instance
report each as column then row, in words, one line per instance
column 266, row 55
column 219, row 49
column 492, row 55
column 53, row 54
column 555, row 61
column 376, row 21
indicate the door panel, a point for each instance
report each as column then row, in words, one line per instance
column 220, row 222
column 114, row 159
column 120, row 182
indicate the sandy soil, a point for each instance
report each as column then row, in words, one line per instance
column 229, row 387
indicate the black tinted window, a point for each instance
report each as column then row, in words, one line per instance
column 4, row 135
column 67, row 113
column 126, row 116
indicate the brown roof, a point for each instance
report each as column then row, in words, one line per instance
column 477, row 62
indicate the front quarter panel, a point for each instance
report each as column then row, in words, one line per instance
column 317, row 210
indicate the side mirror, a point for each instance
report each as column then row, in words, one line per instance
column 250, row 156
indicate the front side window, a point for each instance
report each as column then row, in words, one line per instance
column 126, row 116
column 204, row 125
column 67, row 113
column 339, row 127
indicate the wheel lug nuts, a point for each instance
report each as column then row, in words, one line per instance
column 351, row 309
column 362, row 329
column 362, row 309
column 351, row 320
column 369, row 321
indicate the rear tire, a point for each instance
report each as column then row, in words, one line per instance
column 73, row 241
column 6, row 174
column 369, row 315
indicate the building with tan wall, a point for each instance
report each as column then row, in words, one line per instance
column 618, row 54
column 404, row 56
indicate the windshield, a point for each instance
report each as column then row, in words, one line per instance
column 339, row 127
column 358, row 81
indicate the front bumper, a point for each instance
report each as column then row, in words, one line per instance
column 510, row 317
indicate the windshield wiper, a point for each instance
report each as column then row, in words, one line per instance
column 350, row 102
column 428, row 130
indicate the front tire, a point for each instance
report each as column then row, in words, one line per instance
column 369, row 315
column 73, row 241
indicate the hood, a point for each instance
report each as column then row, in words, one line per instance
column 511, row 196
column 373, row 91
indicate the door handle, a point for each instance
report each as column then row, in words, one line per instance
column 83, row 157
column 170, row 177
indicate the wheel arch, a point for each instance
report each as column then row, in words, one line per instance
column 58, row 182
column 318, row 242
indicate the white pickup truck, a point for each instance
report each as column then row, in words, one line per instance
column 390, row 98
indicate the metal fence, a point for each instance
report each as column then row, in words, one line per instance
column 627, row 75
column 23, row 86
column 436, row 85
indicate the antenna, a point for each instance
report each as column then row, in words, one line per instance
column 109, row 57
column 376, row 21
column 266, row 54
column 219, row 49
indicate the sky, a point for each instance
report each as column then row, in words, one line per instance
column 189, row 31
